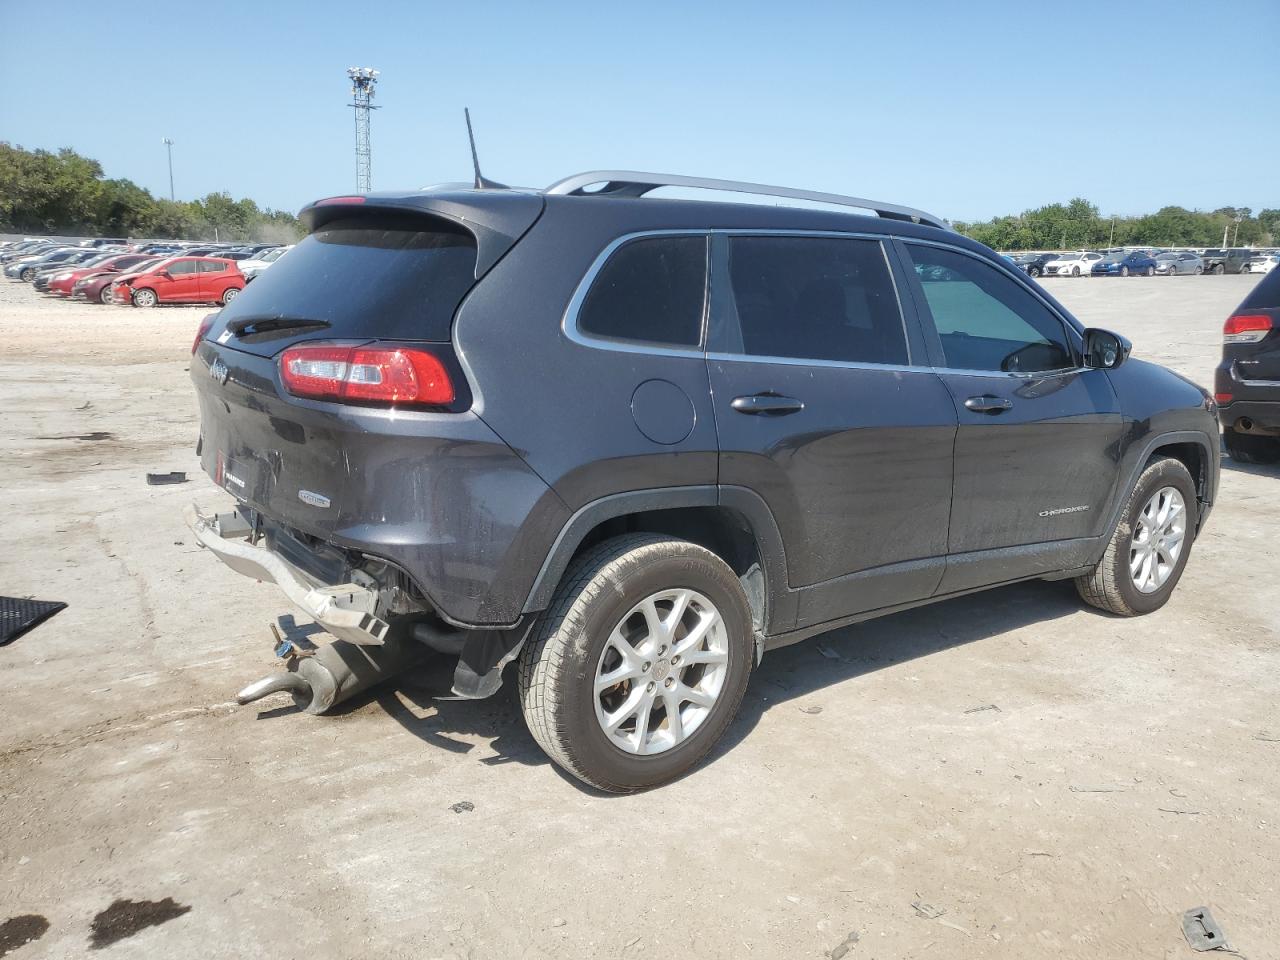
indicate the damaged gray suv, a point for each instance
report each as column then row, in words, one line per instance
column 633, row 443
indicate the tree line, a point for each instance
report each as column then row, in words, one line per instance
column 1079, row 225
column 68, row 194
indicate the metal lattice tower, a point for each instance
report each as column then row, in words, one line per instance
column 363, row 82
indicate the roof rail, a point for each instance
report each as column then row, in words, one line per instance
column 632, row 183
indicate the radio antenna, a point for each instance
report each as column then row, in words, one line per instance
column 482, row 183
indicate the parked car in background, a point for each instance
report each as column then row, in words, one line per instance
column 1125, row 265
column 1231, row 260
column 1247, row 382
column 24, row 248
column 255, row 265
column 96, row 287
column 181, row 280
column 1072, row 264
column 1261, row 264
column 1179, row 264
column 26, row 268
column 1032, row 264
column 63, row 282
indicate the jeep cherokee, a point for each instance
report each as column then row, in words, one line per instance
column 634, row 443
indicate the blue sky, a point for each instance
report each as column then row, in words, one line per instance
column 967, row 109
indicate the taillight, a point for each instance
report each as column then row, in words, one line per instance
column 203, row 329
column 1222, row 399
column 1246, row 328
column 386, row 375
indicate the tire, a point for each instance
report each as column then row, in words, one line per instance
column 1218, row 270
column 1034, row 271
column 1244, row 448
column 1124, row 271
column 1110, row 585
column 144, row 298
column 104, row 295
column 229, row 294
column 575, row 641
column 27, row 275
column 1075, row 271
column 1199, row 271
column 1151, row 271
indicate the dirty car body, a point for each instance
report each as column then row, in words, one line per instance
column 529, row 433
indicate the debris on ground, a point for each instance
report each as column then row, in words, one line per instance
column 462, row 806
column 91, row 437
column 828, row 652
column 812, row 710
column 159, row 479
column 124, row 918
column 1189, row 813
column 17, row 616
column 1202, row 931
column 1266, row 737
column 985, row 706
column 926, row 911
column 844, row 946
column 1075, row 789
column 19, row 931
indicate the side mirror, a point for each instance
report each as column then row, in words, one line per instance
column 1104, row 350
column 165, row 275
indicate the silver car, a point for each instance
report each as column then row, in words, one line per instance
column 1173, row 264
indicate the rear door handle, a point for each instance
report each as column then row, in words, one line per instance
column 768, row 404
column 988, row 404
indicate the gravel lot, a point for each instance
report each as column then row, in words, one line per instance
column 1006, row 775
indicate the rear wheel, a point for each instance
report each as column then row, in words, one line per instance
column 1151, row 271
column 144, row 298
column 1124, row 271
column 1244, row 268
column 1150, row 545
column 640, row 663
column 1199, row 270
column 229, row 294
column 1244, row 448
column 104, row 295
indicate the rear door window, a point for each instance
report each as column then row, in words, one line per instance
column 650, row 290
column 385, row 277
column 986, row 320
column 813, row 298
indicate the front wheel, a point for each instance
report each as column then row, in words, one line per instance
column 229, row 294
column 28, row 275
column 144, row 298
column 1124, row 271
column 1150, row 545
column 1034, row 271
column 1218, row 270
column 1075, row 271
column 640, row 663
column 104, row 295
column 1199, row 271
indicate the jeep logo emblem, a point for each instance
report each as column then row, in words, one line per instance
column 218, row 370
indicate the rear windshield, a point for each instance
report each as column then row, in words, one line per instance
column 391, row 278
column 1265, row 296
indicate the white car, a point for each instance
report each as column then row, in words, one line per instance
column 1072, row 264
column 251, row 268
column 1263, row 264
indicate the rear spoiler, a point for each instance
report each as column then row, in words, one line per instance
column 497, row 218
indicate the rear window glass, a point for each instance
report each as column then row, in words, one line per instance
column 651, row 290
column 392, row 278
column 1265, row 296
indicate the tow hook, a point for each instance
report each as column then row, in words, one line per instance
column 321, row 676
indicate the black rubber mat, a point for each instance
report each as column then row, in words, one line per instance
column 19, row 616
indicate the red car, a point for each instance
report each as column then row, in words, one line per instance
column 181, row 280
column 65, row 282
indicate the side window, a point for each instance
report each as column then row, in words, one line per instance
column 985, row 320
column 212, row 266
column 181, row 268
column 650, row 290
column 814, row 298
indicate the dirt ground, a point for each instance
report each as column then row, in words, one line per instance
column 1008, row 775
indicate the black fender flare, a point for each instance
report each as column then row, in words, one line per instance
column 1145, row 448
column 780, row 601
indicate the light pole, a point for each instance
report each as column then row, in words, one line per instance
column 169, row 146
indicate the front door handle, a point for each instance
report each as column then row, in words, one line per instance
column 767, row 404
column 988, row 404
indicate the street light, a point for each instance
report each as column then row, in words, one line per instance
column 169, row 145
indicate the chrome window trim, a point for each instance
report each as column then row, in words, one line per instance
column 569, row 322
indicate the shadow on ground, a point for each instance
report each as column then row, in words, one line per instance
column 784, row 675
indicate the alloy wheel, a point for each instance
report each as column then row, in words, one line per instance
column 1159, row 532
column 661, row 671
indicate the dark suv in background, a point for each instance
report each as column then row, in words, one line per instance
column 634, row 443
column 1231, row 260
column 1247, row 382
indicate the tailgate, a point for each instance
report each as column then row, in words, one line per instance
column 283, row 457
